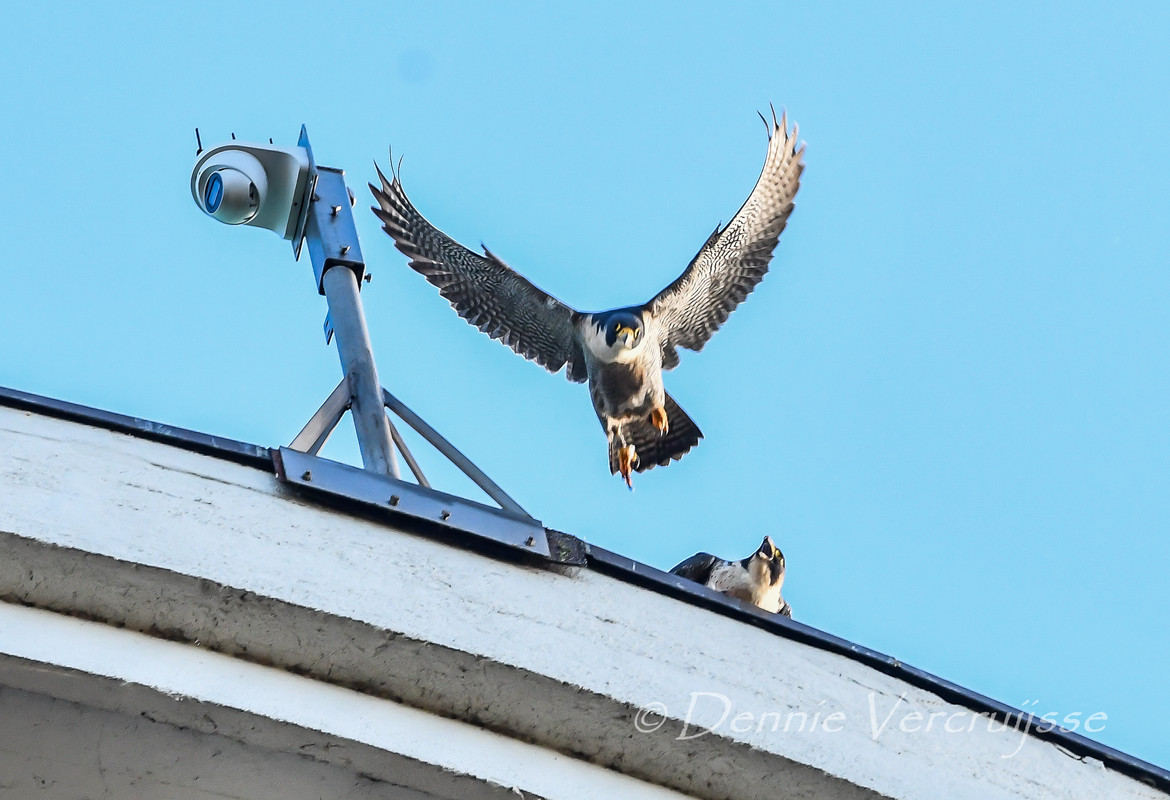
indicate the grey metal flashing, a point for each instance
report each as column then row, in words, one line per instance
column 386, row 496
column 567, row 549
column 249, row 455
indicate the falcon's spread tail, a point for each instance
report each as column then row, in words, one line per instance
column 652, row 448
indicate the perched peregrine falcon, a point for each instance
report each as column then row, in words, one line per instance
column 621, row 352
column 757, row 578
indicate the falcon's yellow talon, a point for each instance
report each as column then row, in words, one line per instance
column 659, row 420
column 626, row 459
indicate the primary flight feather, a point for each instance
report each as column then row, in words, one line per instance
column 622, row 352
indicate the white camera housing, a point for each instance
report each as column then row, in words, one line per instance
column 251, row 184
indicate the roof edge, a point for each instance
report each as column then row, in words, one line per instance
column 249, row 455
column 630, row 571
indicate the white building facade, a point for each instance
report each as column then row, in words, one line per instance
column 178, row 622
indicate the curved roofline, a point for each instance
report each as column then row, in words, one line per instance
column 568, row 549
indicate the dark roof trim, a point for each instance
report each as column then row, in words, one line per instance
column 247, row 454
column 569, row 549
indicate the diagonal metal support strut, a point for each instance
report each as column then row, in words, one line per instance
column 453, row 455
column 321, row 426
column 317, row 430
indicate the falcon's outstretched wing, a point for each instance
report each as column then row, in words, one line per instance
column 697, row 568
column 735, row 257
column 483, row 289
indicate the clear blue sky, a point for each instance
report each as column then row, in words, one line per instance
column 947, row 402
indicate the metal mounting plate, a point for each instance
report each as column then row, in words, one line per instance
column 392, row 497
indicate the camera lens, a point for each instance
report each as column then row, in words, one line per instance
column 213, row 194
column 232, row 196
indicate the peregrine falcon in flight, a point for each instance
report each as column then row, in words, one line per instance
column 621, row 353
column 757, row 579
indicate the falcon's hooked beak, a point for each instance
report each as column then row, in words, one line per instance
column 627, row 335
column 768, row 549
column 772, row 560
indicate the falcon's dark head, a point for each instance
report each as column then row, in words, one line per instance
column 623, row 329
column 766, row 564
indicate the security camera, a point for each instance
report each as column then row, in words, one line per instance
column 251, row 184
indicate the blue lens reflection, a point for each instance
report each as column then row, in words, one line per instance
column 213, row 194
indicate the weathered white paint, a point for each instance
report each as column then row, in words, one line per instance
column 190, row 515
column 193, row 674
column 50, row 748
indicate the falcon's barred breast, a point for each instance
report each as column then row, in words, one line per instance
column 621, row 352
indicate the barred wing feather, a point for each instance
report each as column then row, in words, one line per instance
column 735, row 257
column 483, row 289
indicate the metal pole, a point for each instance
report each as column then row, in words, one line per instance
column 336, row 254
column 357, row 362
